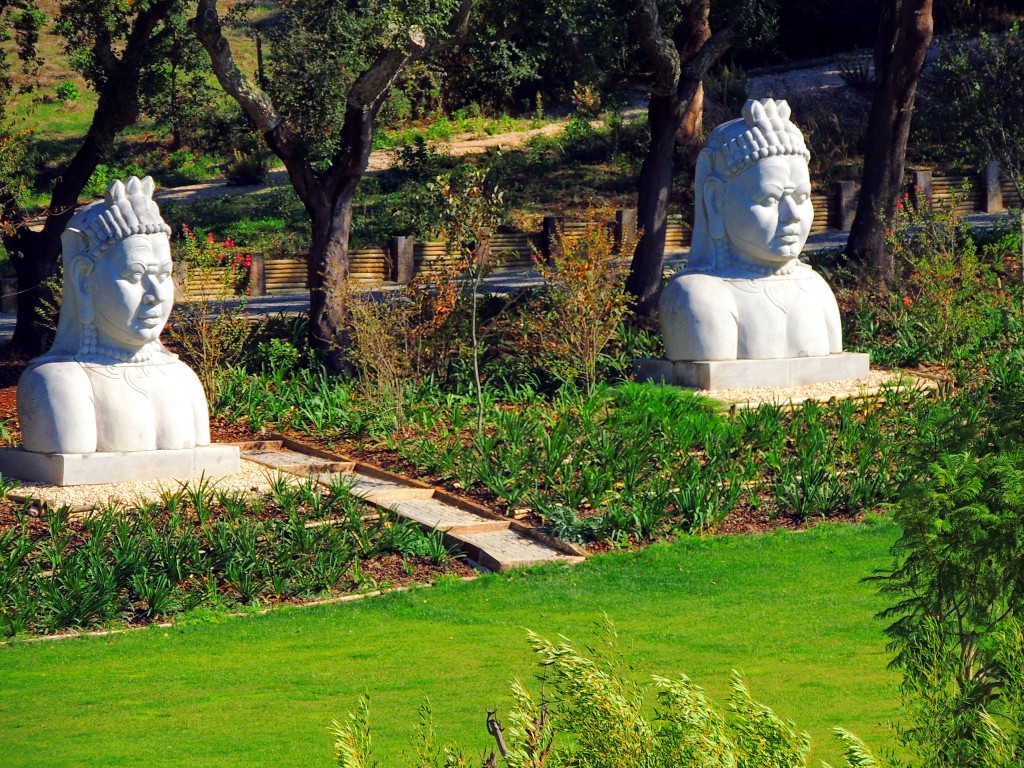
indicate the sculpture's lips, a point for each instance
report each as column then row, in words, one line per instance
column 789, row 239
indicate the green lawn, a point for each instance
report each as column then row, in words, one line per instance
column 787, row 610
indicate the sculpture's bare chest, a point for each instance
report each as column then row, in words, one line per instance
column 142, row 407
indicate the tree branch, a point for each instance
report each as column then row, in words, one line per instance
column 495, row 729
column 659, row 49
column 253, row 101
column 257, row 105
column 373, row 85
column 709, row 53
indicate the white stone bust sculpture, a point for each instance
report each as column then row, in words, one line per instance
column 744, row 293
column 107, row 384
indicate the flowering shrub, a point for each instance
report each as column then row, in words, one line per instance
column 201, row 250
column 951, row 298
column 208, row 332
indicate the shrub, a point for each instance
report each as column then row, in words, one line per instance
column 949, row 303
column 958, row 583
column 247, row 167
column 382, row 335
column 584, row 300
column 104, row 174
column 67, row 92
column 590, row 715
column 208, row 329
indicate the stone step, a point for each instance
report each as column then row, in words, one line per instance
column 444, row 517
column 493, row 542
column 504, row 550
column 274, row 455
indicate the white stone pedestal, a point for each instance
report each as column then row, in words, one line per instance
column 780, row 372
column 134, row 466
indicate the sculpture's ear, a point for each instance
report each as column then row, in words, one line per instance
column 81, row 280
column 714, row 199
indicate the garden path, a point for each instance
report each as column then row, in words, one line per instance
column 491, row 541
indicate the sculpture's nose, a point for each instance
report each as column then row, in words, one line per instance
column 788, row 212
column 149, row 295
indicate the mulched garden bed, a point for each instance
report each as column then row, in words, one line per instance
column 743, row 520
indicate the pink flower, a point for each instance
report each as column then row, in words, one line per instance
column 210, row 238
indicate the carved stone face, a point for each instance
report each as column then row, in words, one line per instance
column 132, row 291
column 768, row 211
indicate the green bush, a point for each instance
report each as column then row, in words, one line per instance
column 196, row 547
column 953, row 302
column 590, row 714
column 67, row 92
column 104, row 174
column 247, row 167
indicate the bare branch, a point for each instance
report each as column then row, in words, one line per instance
column 494, row 728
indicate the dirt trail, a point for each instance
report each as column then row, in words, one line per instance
column 380, row 160
column 820, row 81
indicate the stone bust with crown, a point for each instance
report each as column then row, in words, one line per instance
column 108, row 386
column 744, row 294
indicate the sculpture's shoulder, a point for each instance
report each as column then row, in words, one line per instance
column 690, row 291
column 55, row 407
column 55, row 376
column 179, row 372
column 698, row 316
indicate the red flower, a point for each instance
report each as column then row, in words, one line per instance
column 229, row 243
column 907, row 301
column 210, row 238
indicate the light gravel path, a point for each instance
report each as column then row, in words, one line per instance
column 252, row 478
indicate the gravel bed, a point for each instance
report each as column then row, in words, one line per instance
column 251, row 478
column 751, row 397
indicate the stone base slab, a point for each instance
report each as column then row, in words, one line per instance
column 726, row 374
column 134, row 466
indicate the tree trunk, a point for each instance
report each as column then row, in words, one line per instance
column 328, row 283
column 677, row 98
column 904, row 34
column 653, row 195
column 35, row 253
column 326, row 194
column 34, row 256
column 692, row 126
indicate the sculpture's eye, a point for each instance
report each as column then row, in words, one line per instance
column 769, row 201
column 162, row 276
column 133, row 277
column 801, row 197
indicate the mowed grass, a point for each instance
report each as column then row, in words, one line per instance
column 788, row 610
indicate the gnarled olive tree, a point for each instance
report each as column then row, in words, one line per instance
column 339, row 61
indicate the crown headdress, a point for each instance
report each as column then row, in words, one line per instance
column 768, row 132
column 127, row 209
